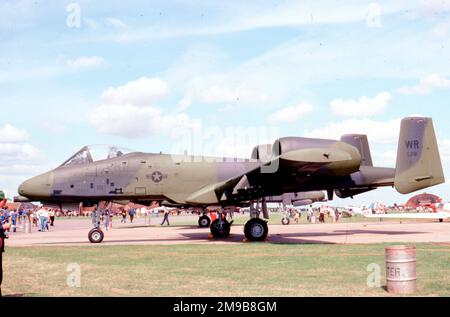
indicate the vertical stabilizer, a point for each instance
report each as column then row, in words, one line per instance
column 418, row 162
column 360, row 142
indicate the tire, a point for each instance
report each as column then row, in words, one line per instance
column 204, row 221
column 441, row 220
column 96, row 235
column 285, row 221
column 220, row 230
column 256, row 230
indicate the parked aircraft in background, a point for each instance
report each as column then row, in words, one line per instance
column 440, row 211
column 295, row 165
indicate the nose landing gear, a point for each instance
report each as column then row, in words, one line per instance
column 204, row 221
column 96, row 235
column 220, row 227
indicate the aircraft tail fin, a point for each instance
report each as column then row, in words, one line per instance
column 361, row 142
column 418, row 163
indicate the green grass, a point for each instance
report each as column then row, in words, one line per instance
column 248, row 269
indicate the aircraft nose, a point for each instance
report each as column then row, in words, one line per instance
column 36, row 187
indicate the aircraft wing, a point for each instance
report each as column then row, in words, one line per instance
column 430, row 215
column 283, row 174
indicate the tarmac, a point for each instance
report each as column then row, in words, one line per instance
column 68, row 232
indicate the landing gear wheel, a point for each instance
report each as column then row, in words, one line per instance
column 220, row 228
column 285, row 221
column 95, row 235
column 204, row 221
column 441, row 220
column 256, row 230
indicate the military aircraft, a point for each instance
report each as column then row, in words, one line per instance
column 295, row 164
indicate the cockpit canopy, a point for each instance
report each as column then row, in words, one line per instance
column 94, row 153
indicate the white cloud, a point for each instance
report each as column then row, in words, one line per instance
column 85, row 62
column 133, row 121
column 442, row 29
column 130, row 111
column 117, row 23
column 53, row 127
column 290, row 114
column 233, row 16
column 91, row 23
column 14, row 146
column 363, row 107
column 426, row 85
column 143, row 91
column 18, row 158
column 10, row 134
column 385, row 158
column 377, row 131
column 18, row 152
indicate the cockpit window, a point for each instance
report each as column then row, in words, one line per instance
column 94, row 153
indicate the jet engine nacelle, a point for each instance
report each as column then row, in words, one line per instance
column 262, row 152
column 288, row 144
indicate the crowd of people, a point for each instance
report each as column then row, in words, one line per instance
column 331, row 213
column 40, row 217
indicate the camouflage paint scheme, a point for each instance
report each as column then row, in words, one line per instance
column 295, row 165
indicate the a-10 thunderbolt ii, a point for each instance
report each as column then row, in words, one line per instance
column 296, row 164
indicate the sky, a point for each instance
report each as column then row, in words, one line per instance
column 217, row 77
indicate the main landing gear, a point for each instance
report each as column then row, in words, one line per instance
column 256, row 229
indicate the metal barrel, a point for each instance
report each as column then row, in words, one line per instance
column 401, row 269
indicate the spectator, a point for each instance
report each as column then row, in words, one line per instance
column 52, row 217
column 42, row 216
column 132, row 212
column 46, row 218
column 166, row 216
column 106, row 218
column 297, row 217
column 3, row 229
column 336, row 213
column 95, row 217
column 124, row 215
column 309, row 213
column 321, row 214
column 14, row 216
column 111, row 215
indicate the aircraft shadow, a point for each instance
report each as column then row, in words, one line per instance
column 288, row 238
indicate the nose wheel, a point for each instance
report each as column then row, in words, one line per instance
column 220, row 228
column 285, row 221
column 204, row 221
column 96, row 235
